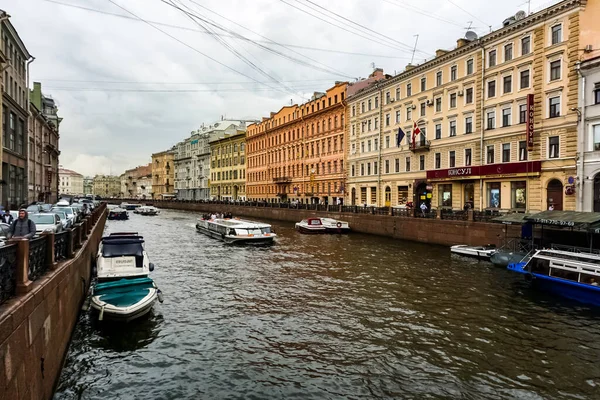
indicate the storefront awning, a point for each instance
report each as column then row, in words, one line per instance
column 513, row 218
column 573, row 219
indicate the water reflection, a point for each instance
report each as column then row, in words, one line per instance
column 119, row 337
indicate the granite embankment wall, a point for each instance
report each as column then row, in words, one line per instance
column 37, row 320
column 426, row 230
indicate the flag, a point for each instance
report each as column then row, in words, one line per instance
column 416, row 131
column 399, row 137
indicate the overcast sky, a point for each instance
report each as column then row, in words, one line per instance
column 125, row 89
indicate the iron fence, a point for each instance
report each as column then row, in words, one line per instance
column 60, row 245
column 37, row 257
column 457, row 215
column 8, row 266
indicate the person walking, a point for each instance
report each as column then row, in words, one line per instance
column 423, row 208
column 22, row 227
column 7, row 218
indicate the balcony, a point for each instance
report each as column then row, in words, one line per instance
column 282, row 179
column 421, row 144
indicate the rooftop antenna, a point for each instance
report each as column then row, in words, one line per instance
column 291, row 102
column 414, row 49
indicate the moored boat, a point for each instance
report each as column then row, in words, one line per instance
column 118, row 214
column 147, row 210
column 482, row 252
column 572, row 275
column 236, row 230
column 322, row 225
column 129, row 206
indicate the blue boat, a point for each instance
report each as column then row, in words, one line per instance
column 125, row 299
column 574, row 275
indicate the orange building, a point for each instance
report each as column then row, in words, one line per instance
column 298, row 152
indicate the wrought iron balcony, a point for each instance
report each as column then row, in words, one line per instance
column 283, row 179
column 420, row 145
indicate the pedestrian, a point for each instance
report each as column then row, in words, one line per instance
column 7, row 217
column 551, row 208
column 22, row 227
column 423, row 208
column 86, row 210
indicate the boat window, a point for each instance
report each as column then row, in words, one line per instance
column 568, row 275
column 266, row 230
column 120, row 250
column 540, row 266
column 593, row 280
column 571, row 257
column 315, row 222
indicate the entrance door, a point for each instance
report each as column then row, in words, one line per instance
column 235, row 193
column 353, row 194
column 422, row 196
column 597, row 193
column 388, row 196
column 555, row 194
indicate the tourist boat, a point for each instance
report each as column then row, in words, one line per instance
column 124, row 291
column 118, row 214
column 572, row 275
column 147, row 210
column 322, row 225
column 482, row 252
column 236, row 230
column 129, row 206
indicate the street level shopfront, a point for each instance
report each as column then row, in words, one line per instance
column 494, row 186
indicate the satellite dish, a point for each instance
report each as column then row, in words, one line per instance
column 520, row 15
column 470, row 35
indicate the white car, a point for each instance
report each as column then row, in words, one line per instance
column 48, row 222
column 67, row 210
column 66, row 223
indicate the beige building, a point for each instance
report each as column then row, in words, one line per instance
column 228, row 166
column 495, row 121
column 107, row 186
column 70, row 182
column 88, row 185
column 133, row 179
column 163, row 174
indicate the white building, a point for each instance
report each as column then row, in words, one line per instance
column 192, row 159
column 70, row 182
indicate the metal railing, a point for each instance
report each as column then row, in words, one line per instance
column 37, row 257
column 8, row 263
column 60, row 245
column 456, row 215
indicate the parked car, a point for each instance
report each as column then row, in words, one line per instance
column 68, row 211
column 34, row 208
column 46, row 222
column 89, row 202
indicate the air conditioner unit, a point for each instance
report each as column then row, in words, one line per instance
column 588, row 48
column 392, row 100
column 429, row 102
column 461, row 93
column 413, row 107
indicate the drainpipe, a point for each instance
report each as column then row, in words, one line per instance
column 581, row 142
column 482, row 116
column 26, row 142
column 380, row 146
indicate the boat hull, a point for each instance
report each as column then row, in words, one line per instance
column 503, row 258
column 233, row 239
column 307, row 230
column 468, row 251
column 124, row 300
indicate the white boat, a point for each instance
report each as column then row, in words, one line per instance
column 147, row 210
column 322, row 225
column 129, row 206
column 236, row 230
column 123, row 291
column 484, row 252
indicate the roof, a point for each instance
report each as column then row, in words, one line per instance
column 574, row 219
column 64, row 171
column 513, row 218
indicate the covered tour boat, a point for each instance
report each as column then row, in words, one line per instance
column 322, row 225
column 147, row 210
column 482, row 252
column 236, row 230
column 574, row 275
column 124, row 291
column 129, row 206
column 118, row 214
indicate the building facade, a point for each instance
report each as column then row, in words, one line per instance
column 298, row 152
column 107, row 186
column 133, row 179
column 15, row 112
column 488, row 125
column 228, row 167
column 43, row 140
column 70, row 182
column 163, row 174
column 88, row 185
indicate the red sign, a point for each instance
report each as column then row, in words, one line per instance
column 491, row 169
column 529, row 120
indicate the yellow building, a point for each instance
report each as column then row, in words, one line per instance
column 495, row 118
column 107, row 186
column 228, row 167
column 163, row 175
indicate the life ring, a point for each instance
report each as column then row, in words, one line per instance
column 339, row 224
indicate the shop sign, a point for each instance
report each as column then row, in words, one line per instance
column 460, row 171
column 530, row 121
column 494, row 170
column 429, row 187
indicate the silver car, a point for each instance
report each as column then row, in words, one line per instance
column 47, row 222
column 66, row 222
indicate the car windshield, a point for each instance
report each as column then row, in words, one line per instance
column 42, row 218
column 60, row 214
column 66, row 210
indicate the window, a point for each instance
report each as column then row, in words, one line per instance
column 554, row 107
column 407, row 165
column 491, row 120
column 553, row 147
column 469, row 95
column 423, row 84
column 402, row 194
column 467, row 157
column 523, row 113
column 368, row 168
column 452, row 128
column 387, row 97
column 453, row 100
column 398, row 93
column 438, row 78
column 490, row 154
column 492, row 58
column 408, row 90
column 506, row 117
column 445, row 195
column 452, row 159
column 362, row 107
column 353, row 111
column 507, row 84
column 387, row 166
column 469, row 125
column 423, row 105
column 556, row 34
column 438, row 131
column 596, row 132
column 387, row 142
column 438, row 161
column 368, row 125
column 397, row 165
column 597, row 93
column 387, row 119
column 368, row 145
column 362, row 169
column 493, row 192
column 491, row 88
column 525, row 45
column 506, row 152
column 438, row 104
column 508, row 52
column 409, row 113
column 518, row 192
column 522, row 150
column 398, row 116
column 524, row 79
column 422, row 163
column 453, row 70
column 352, row 172
column 369, row 105
column 469, row 66
column 376, row 102
column 555, row 70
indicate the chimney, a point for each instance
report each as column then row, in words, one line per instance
column 409, row 67
column 440, row 52
column 461, row 42
column 376, row 72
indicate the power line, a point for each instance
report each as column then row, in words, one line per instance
column 138, row 90
column 173, row 83
column 422, row 12
column 467, row 12
column 203, row 32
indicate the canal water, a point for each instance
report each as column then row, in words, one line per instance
column 331, row 317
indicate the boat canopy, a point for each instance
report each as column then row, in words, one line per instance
column 571, row 219
column 122, row 248
column 513, row 218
